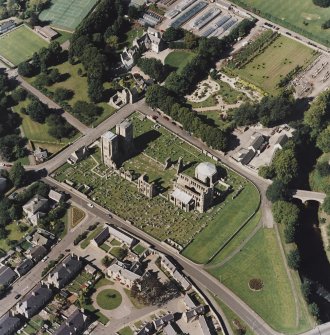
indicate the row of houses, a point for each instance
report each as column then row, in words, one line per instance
column 39, row 249
column 41, row 295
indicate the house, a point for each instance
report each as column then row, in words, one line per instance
column 244, row 156
column 39, row 239
column 34, row 301
column 127, row 273
column 257, row 143
column 90, row 269
column 40, row 155
column 65, row 271
column 116, row 233
column 190, row 304
column 204, row 326
column 46, row 32
column 194, row 313
column 3, row 184
column 101, row 237
column 7, row 275
column 163, row 321
column 148, row 329
column 78, row 155
column 9, row 324
column 35, row 208
column 55, row 196
column 182, row 280
column 24, row 267
column 281, row 141
column 37, row 253
column 6, row 26
column 128, row 57
column 172, row 329
column 167, row 264
column 75, row 324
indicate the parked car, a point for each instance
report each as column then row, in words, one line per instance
column 90, row 205
column 17, row 296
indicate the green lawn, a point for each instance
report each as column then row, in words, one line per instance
column 301, row 16
column 20, row 44
column 277, row 60
column 126, row 331
column 109, row 299
column 238, row 240
column 179, row 59
column 233, row 319
column 136, row 303
column 78, row 84
column 37, row 132
column 139, row 249
column 67, row 15
column 134, row 32
column 261, row 258
column 63, row 36
column 221, row 228
column 13, row 235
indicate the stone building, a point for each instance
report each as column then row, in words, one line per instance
column 115, row 148
column 195, row 193
column 146, row 188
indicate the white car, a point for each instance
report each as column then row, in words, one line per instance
column 90, row 205
column 44, row 259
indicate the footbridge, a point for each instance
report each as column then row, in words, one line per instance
column 308, row 195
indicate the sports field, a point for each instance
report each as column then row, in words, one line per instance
column 20, row 44
column 301, row 16
column 67, row 14
column 278, row 59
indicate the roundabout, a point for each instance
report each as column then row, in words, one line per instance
column 108, row 299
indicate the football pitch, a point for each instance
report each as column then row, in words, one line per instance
column 301, row 16
column 20, row 44
column 67, row 14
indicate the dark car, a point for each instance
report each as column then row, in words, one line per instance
column 17, row 296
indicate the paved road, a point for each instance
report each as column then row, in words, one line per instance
column 27, row 282
column 194, row 271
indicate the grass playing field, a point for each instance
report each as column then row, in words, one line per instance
column 20, row 44
column 261, row 258
column 67, row 14
column 301, row 16
column 278, row 59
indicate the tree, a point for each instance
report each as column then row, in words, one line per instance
column 294, row 259
column 19, row 94
column 285, row 165
column 173, row 34
column 86, row 112
column 326, row 24
column 317, row 117
column 306, row 289
column 26, row 69
column 277, row 191
column 133, row 12
column 106, row 261
column 153, row 67
column 322, row 3
column 323, row 168
column 323, row 140
column 326, row 204
column 58, row 127
column 54, row 75
column 15, row 212
column 285, row 212
column 190, row 40
column 314, row 310
column 62, row 94
column 37, row 111
column 17, row 174
column 266, row 171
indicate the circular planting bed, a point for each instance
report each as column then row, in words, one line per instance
column 109, row 299
column 256, row 284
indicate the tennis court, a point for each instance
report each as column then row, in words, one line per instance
column 19, row 44
column 67, row 14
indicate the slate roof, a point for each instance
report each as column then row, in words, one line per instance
column 74, row 324
column 39, row 239
column 7, row 275
column 102, row 236
column 38, row 252
column 65, row 271
column 54, row 195
column 164, row 320
column 24, row 267
column 9, row 324
column 35, row 204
